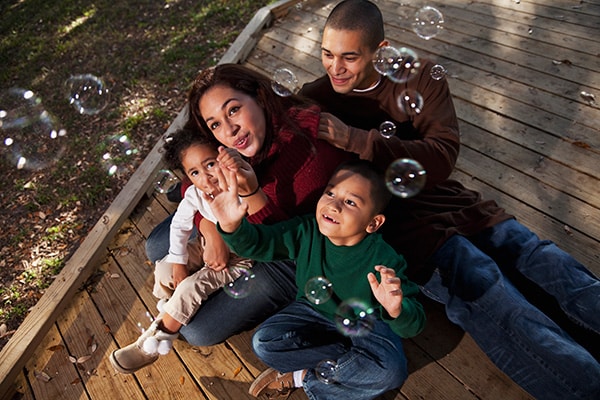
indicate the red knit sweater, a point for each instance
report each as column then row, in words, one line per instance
column 296, row 169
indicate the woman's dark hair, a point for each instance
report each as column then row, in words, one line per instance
column 253, row 84
column 179, row 141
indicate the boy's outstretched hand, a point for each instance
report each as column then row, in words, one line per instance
column 389, row 292
column 225, row 203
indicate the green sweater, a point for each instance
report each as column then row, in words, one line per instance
column 346, row 267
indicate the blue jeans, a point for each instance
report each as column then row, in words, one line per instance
column 222, row 316
column 471, row 280
column 299, row 337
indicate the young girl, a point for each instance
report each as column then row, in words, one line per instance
column 181, row 277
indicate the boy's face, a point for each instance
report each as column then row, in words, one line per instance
column 347, row 60
column 199, row 163
column 345, row 211
column 234, row 118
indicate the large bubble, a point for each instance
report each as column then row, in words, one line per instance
column 406, row 66
column 284, row 82
column 32, row 138
column 87, row 93
column 385, row 58
column 117, row 154
column 410, row 102
column 354, row 318
column 242, row 286
column 318, row 290
column 428, row 22
column 405, row 177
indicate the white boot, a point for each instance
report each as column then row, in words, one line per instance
column 144, row 351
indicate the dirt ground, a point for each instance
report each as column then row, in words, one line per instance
column 145, row 52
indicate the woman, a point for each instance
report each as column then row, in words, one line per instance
column 278, row 137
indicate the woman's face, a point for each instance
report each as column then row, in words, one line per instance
column 235, row 119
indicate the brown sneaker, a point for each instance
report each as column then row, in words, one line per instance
column 131, row 358
column 272, row 382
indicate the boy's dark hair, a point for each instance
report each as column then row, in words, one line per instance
column 379, row 192
column 179, row 141
column 358, row 15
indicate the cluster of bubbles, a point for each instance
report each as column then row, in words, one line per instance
column 33, row 138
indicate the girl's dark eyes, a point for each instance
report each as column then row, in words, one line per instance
column 214, row 126
column 233, row 110
column 194, row 173
column 211, row 164
column 350, row 202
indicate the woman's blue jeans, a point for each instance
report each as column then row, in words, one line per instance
column 471, row 280
column 222, row 316
column 298, row 337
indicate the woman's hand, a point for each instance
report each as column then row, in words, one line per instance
column 389, row 292
column 333, row 130
column 231, row 159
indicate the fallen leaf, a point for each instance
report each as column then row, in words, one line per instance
column 42, row 376
column 583, row 145
column 568, row 230
column 182, row 380
column 56, row 347
column 237, row 371
column 72, row 359
column 76, row 381
column 83, row 359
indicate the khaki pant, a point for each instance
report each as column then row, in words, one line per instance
column 184, row 301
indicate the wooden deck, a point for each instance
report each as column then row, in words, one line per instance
column 530, row 140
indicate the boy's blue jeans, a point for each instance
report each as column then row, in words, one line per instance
column 521, row 340
column 298, row 337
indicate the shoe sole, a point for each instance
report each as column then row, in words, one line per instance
column 254, row 389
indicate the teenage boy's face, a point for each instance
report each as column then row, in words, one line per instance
column 198, row 163
column 345, row 210
column 347, row 60
column 234, row 118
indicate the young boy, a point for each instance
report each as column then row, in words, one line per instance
column 339, row 244
column 179, row 277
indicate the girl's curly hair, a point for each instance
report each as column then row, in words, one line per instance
column 181, row 140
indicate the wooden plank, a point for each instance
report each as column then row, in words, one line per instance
column 76, row 270
column 122, row 311
column 50, row 360
column 246, row 40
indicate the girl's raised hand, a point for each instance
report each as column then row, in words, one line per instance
column 225, row 203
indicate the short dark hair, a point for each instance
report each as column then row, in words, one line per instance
column 181, row 140
column 379, row 192
column 358, row 15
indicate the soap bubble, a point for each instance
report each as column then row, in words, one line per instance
column 405, row 177
column 87, row 93
column 387, row 129
column 384, row 59
column 318, row 290
column 144, row 320
column 165, row 181
column 117, row 152
column 428, row 22
column 31, row 137
column 242, row 286
column 406, row 66
column 410, row 102
column 284, row 82
column 326, row 371
column 354, row 318
column 438, row 72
